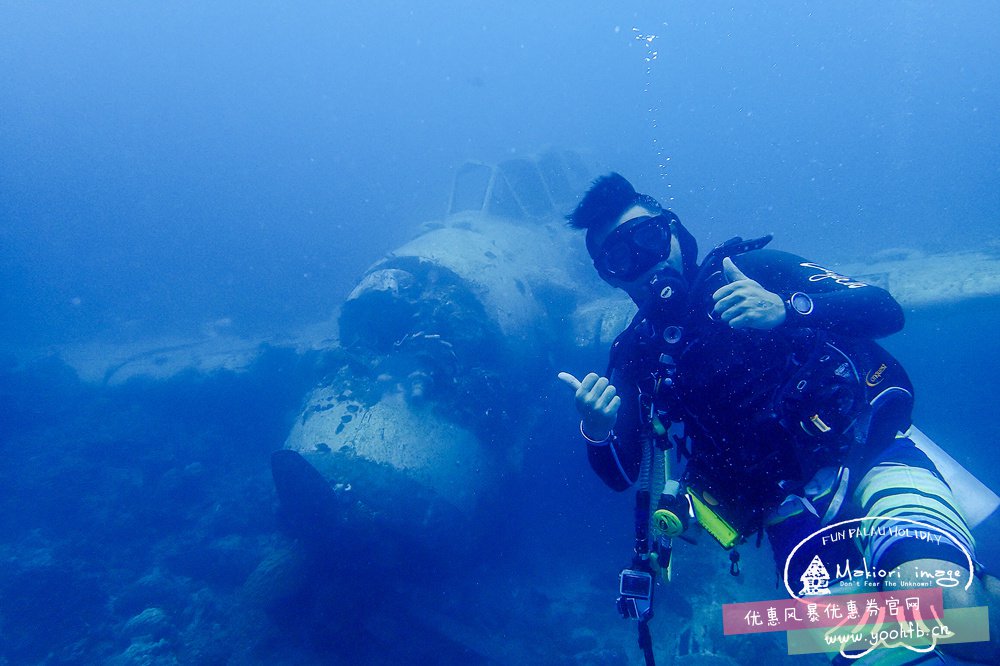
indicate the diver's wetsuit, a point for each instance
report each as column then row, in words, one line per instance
column 840, row 304
column 728, row 386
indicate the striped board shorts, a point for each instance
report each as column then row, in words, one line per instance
column 905, row 490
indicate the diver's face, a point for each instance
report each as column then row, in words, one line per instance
column 637, row 287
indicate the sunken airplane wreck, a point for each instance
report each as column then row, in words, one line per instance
column 445, row 341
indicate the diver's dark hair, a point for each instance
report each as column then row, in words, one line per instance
column 608, row 197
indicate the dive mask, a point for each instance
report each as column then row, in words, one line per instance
column 634, row 247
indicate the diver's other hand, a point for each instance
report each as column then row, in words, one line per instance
column 598, row 403
column 743, row 303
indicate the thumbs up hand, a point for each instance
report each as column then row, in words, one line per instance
column 743, row 303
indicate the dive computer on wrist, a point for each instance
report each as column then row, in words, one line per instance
column 799, row 305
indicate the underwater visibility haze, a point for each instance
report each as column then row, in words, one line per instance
column 233, row 231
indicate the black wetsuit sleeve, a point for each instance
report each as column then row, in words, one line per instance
column 840, row 303
column 616, row 460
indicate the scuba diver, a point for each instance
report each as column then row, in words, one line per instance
column 758, row 371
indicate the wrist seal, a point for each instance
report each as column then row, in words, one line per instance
column 591, row 440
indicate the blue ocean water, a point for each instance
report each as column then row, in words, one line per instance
column 189, row 170
column 152, row 151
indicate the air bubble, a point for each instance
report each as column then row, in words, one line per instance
column 649, row 57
